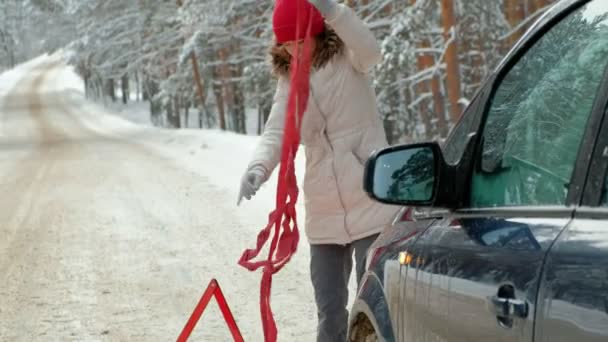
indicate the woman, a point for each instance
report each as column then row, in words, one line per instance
column 340, row 129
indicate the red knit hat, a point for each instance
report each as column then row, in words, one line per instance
column 284, row 20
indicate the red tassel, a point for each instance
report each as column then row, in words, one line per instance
column 286, row 235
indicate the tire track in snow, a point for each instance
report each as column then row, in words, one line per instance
column 29, row 224
column 31, row 171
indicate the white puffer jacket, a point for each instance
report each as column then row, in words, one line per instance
column 340, row 129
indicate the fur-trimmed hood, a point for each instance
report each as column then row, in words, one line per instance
column 329, row 45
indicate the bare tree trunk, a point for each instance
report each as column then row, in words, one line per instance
column 424, row 62
column 239, row 99
column 408, row 94
column 150, row 89
column 186, row 114
column 439, row 106
column 137, row 87
column 111, row 89
column 264, row 108
column 391, row 127
column 260, row 119
column 515, row 14
column 219, row 99
column 451, row 56
column 210, row 119
column 146, row 89
column 169, row 114
column 199, row 82
column 124, row 83
column 197, row 75
column 240, row 110
column 538, row 4
column 427, row 61
column 99, row 88
column 155, row 112
column 173, row 114
column 87, row 85
column 177, row 114
column 365, row 13
column 226, row 87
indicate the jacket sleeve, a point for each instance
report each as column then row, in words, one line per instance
column 268, row 150
column 362, row 47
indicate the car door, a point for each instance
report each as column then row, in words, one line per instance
column 573, row 297
column 452, row 151
column 474, row 274
column 385, row 254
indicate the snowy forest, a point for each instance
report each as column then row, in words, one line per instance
column 206, row 61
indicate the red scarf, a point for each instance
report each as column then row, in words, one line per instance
column 285, row 234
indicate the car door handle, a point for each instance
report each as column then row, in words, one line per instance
column 509, row 307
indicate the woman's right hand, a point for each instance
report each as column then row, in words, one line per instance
column 251, row 182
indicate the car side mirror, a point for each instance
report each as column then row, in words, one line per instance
column 405, row 175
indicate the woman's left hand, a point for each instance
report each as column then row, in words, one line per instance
column 326, row 7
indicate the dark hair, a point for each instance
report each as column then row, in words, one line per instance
column 328, row 45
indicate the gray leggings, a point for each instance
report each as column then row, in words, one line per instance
column 330, row 269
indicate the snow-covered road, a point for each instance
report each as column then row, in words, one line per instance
column 111, row 231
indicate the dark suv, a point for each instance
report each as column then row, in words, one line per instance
column 504, row 236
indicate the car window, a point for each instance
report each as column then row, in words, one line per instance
column 605, row 188
column 538, row 114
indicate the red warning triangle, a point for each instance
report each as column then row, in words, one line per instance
column 213, row 290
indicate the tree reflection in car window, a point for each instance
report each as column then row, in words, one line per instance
column 414, row 180
column 501, row 234
column 539, row 112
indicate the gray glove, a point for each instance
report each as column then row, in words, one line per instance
column 327, row 8
column 251, row 182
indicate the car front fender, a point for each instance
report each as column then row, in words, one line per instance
column 371, row 302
